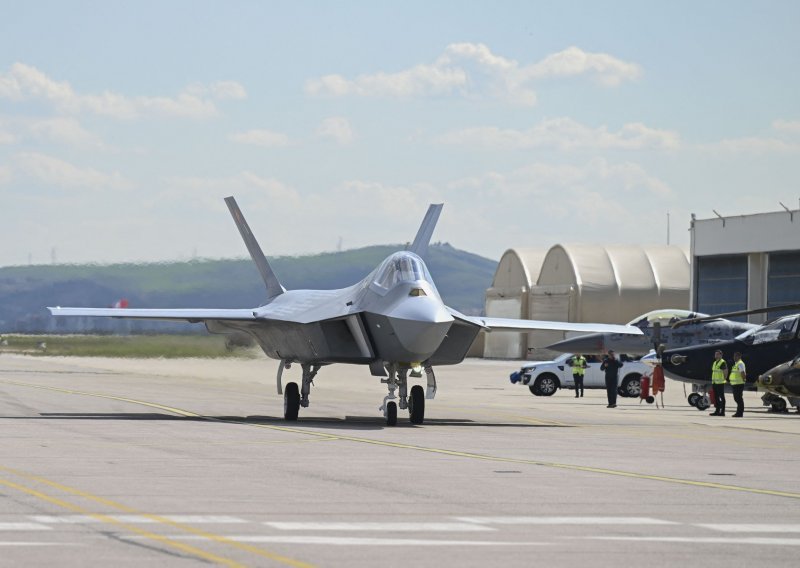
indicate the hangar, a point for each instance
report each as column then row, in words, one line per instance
column 582, row 283
column 745, row 262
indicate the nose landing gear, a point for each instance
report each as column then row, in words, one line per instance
column 415, row 403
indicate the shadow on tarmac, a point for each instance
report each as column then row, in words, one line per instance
column 348, row 422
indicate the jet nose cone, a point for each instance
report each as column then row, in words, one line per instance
column 420, row 325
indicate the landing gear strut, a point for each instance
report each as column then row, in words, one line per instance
column 415, row 403
column 294, row 397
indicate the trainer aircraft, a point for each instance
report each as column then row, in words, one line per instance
column 393, row 321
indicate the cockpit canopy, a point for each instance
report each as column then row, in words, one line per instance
column 401, row 267
column 664, row 317
column 781, row 329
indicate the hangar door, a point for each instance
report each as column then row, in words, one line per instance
column 504, row 344
column 550, row 303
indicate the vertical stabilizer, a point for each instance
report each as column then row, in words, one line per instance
column 274, row 287
column 420, row 244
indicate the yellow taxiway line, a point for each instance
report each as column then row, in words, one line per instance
column 440, row 451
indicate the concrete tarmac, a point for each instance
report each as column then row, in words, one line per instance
column 189, row 462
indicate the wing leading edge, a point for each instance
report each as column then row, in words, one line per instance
column 190, row 315
column 509, row 324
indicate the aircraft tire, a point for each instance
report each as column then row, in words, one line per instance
column 702, row 403
column 391, row 413
column 779, row 406
column 416, row 405
column 291, row 402
column 692, row 399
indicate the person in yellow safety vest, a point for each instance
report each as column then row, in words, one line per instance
column 578, row 370
column 719, row 373
column 738, row 378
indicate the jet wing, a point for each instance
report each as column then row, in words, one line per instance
column 509, row 324
column 190, row 315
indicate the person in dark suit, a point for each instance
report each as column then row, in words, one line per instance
column 611, row 366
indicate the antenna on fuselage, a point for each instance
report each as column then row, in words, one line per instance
column 425, row 232
column 274, row 287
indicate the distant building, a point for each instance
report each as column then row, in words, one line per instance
column 745, row 262
column 582, row 283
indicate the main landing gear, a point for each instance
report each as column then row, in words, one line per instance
column 294, row 397
column 415, row 403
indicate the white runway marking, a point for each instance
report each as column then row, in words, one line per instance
column 39, row 544
column 24, row 527
column 752, row 528
column 138, row 519
column 565, row 521
column 355, row 541
column 387, row 527
column 703, row 540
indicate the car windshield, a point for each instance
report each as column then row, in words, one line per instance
column 781, row 329
column 401, row 267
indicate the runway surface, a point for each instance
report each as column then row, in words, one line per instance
column 188, row 462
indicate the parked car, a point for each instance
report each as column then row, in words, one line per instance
column 544, row 378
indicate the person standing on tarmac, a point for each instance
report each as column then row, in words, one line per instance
column 611, row 366
column 719, row 374
column 578, row 370
column 738, row 378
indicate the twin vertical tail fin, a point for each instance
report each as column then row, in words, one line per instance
column 274, row 287
column 425, row 232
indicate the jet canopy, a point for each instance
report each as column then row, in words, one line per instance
column 664, row 317
column 401, row 267
column 781, row 329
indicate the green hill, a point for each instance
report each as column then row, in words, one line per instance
column 461, row 278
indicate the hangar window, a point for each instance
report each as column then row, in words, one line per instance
column 783, row 280
column 721, row 284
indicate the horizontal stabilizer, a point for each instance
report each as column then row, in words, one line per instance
column 423, row 238
column 274, row 287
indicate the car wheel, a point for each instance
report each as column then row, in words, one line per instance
column 632, row 385
column 534, row 390
column 546, row 384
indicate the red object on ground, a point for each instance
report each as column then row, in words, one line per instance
column 658, row 380
column 645, row 384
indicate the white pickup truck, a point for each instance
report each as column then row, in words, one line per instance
column 544, row 378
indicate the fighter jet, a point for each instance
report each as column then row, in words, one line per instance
column 763, row 348
column 393, row 321
column 657, row 330
column 782, row 380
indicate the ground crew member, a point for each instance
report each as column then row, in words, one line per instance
column 738, row 378
column 719, row 374
column 611, row 367
column 578, row 370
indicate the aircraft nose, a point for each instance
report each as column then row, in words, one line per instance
column 420, row 325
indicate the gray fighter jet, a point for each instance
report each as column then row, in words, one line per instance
column 665, row 329
column 394, row 321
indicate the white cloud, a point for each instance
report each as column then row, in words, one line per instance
column 260, row 137
column 337, row 128
column 24, row 82
column 7, row 137
column 755, row 145
column 266, row 190
column 474, row 71
column 565, row 134
column 786, row 125
column 607, row 69
column 64, row 130
column 59, row 173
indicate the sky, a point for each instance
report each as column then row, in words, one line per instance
column 123, row 125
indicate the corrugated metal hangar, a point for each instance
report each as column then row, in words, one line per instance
column 582, row 283
column 745, row 262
